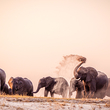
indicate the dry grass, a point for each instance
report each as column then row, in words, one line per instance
column 51, row 99
column 57, row 103
column 107, row 105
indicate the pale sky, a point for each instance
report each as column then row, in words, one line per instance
column 36, row 34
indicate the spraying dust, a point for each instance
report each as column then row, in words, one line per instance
column 67, row 66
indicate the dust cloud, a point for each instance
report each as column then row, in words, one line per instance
column 66, row 66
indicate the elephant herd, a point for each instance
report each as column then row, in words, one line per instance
column 87, row 82
column 18, row 85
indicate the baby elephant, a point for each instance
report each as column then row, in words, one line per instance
column 76, row 85
column 53, row 85
column 6, row 90
column 21, row 86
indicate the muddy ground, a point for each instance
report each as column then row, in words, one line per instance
column 42, row 103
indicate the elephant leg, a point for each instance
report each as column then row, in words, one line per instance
column 79, row 94
column 64, row 95
column 46, row 93
column 52, row 94
column 84, row 93
column 92, row 86
column 100, row 94
column 70, row 94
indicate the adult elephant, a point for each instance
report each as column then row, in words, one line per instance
column 101, row 86
column 88, row 75
column 21, row 86
column 54, row 86
column 108, row 88
column 2, row 79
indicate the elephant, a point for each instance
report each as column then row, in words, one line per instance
column 54, row 86
column 6, row 90
column 21, row 86
column 101, row 86
column 89, row 75
column 76, row 85
column 108, row 88
column 2, row 79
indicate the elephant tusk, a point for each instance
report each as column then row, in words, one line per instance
column 79, row 78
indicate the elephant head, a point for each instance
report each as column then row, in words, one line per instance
column 16, row 84
column 75, row 85
column 21, row 86
column 45, row 82
column 81, row 60
column 84, row 73
column 87, row 73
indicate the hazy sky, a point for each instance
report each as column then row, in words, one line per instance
column 36, row 34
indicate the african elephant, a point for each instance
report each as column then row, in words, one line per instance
column 2, row 79
column 87, row 74
column 21, row 86
column 108, row 88
column 54, row 86
column 76, row 85
column 101, row 86
column 6, row 90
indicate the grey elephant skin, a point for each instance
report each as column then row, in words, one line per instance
column 101, row 87
column 76, row 85
column 89, row 76
column 54, row 86
column 6, row 90
column 21, row 86
column 108, row 88
column 2, row 79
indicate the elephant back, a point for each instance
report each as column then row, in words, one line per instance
column 29, row 83
column 60, row 86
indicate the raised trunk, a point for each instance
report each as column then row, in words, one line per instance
column 75, row 70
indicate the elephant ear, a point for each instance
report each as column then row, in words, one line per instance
column 49, row 80
column 92, row 74
column 89, row 77
column 10, row 82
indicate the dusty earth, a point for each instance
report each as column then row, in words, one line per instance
column 42, row 103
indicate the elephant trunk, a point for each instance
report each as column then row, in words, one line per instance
column 75, row 70
column 38, row 88
column 81, row 61
column 70, row 93
column 71, row 89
